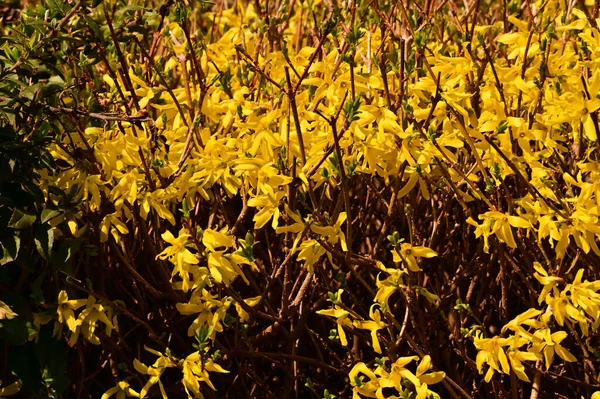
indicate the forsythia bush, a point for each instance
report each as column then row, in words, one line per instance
column 277, row 199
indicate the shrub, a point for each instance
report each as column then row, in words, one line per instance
column 277, row 199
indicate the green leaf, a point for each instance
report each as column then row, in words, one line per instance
column 57, row 6
column 44, row 240
column 127, row 9
column 48, row 214
column 55, row 82
column 94, row 27
column 21, row 220
column 10, row 248
column 30, row 92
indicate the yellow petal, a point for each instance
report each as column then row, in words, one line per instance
column 424, row 365
column 433, row 378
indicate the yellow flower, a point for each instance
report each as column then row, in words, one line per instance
column 211, row 312
column 179, row 255
column 195, row 370
column 88, row 319
column 491, row 352
column 501, row 226
column 310, row 251
column 387, row 287
column 113, row 225
column 65, row 309
column 121, row 390
column 298, row 227
column 224, row 268
column 546, row 280
column 91, row 189
column 244, row 316
column 562, row 308
column 399, row 371
column 333, row 233
column 213, row 239
column 270, row 207
column 342, row 318
column 584, row 295
column 373, row 325
column 516, row 357
column 429, row 378
column 527, row 318
column 155, row 371
column 549, row 343
column 408, row 254
column 358, row 385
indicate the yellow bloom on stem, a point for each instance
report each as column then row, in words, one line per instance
column 502, row 226
column 398, row 372
column 65, row 309
column 333, row 233
column 252, row 302
column 373, row 325
column 428, row 378
column 491, row 352
column 121, row 390
column 368, row 388
column 584, row 295
column 213, row 239
column 113, row 225
column 499, row 224
column 155, row 371
column 549, row 282
column 179, row 255
column 310, row 251
column 88, row 320
column 298, row 227
column 195, row 370
column 549, row 343
column 205, row 304
column 387, row 287
column 562, row 308
column 527, row 318
column 224, row 268
column 408, row 254
column 342, row 318
column 516, row 357
column 268, row 205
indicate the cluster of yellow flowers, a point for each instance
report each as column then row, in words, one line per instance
column 394, row 376
column 194, row 368
column 574, row 304
column 84, row 324
column 310, row 123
